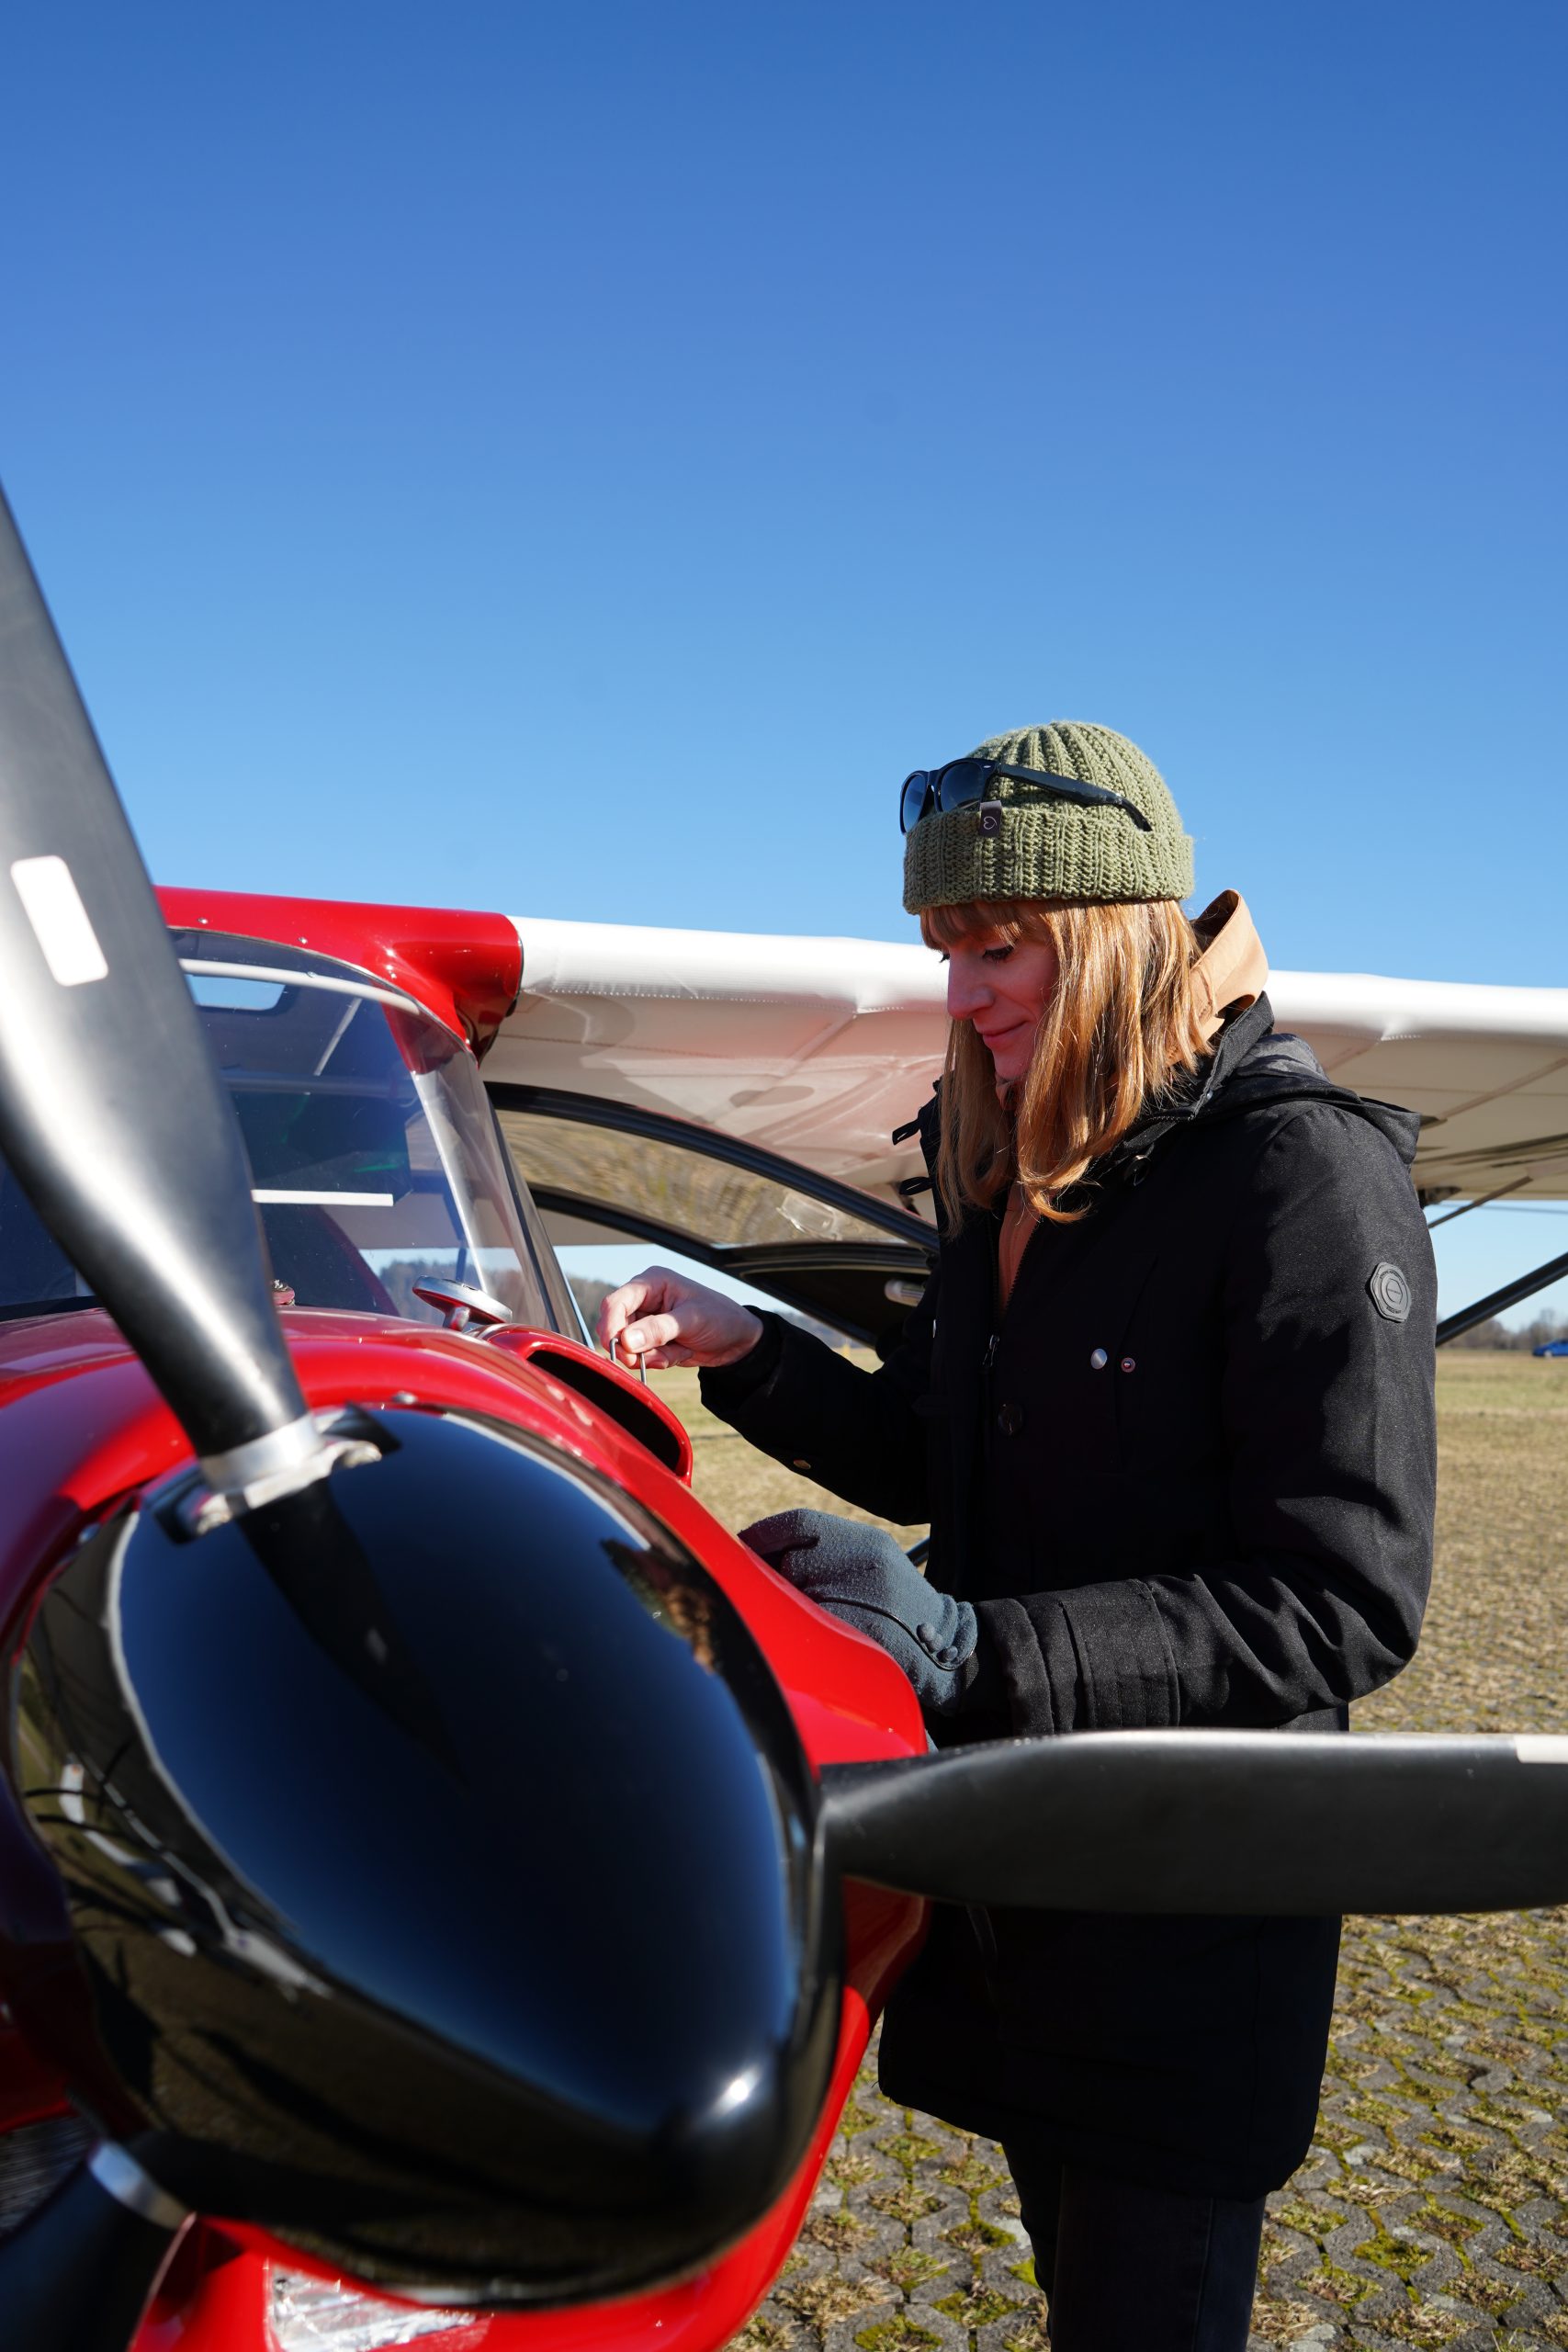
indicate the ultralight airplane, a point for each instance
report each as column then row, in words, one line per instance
column 446, row 1883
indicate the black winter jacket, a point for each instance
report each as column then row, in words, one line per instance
column 1187, row 1478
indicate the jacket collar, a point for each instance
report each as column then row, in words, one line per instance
column 1253, row 1064
column 1194, row 1095
column 1233, row 971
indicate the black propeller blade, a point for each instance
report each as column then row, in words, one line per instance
column 80, row 2272
column 111, row 1112
column 1212, row 1821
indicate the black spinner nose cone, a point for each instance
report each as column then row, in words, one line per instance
column 443, row 1858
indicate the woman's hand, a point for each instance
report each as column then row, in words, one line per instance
column 860, row 1575
column 661, row 1318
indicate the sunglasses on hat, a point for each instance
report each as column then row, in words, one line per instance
column 962, row 782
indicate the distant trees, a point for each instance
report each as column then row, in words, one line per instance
column 1519, row 1341
column 589, row 1296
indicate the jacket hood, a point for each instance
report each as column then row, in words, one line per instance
column 1233, row 971
column 1253, row 1064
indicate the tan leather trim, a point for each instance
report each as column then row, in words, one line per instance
column 1233, row 971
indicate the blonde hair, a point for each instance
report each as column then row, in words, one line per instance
column 1121, row 1025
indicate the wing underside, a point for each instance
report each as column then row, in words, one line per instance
column 816, row 1049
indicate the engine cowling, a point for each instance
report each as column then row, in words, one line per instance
column 444, row 1867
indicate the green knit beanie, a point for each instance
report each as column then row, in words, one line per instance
column 1054, row 849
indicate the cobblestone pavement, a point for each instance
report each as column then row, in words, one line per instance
column 1433, row 2209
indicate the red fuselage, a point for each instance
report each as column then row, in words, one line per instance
column 82, row 1428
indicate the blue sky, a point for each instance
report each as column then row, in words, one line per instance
column 577, row 460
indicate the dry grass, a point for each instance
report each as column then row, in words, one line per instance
column 1433, row 2210
column 738, row 1483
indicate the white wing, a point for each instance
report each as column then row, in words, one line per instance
column 818, row 1048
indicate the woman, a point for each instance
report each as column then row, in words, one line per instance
column 1167, row 1406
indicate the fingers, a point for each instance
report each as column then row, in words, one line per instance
column 650, row 1331
column 653, row 1287
column 641, row 1325
column 661, row 1319
column 613, row 1312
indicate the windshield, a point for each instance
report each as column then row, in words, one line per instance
column 374, row 1156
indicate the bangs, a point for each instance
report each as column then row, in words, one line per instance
column 1009, row 919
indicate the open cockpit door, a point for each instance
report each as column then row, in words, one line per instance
column 604, row 1171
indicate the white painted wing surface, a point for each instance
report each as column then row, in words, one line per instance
column 818, row 1048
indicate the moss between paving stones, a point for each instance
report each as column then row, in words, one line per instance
column 855, row 2119
column 838, row 2228
column 979, row 2237
column 851, row 2172
column 976, row 2306
column 907, row 2203
column 911, row 2268
column 765, row 2333
column 899, row 2334
column 823, row 2302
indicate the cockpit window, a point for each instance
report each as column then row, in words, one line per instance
column 374, row 1157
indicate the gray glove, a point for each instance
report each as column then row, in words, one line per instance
column 860, row 1573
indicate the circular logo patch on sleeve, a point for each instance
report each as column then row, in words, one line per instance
column 1388, row 1291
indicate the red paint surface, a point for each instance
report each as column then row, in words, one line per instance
column 81, row 1426
column 466, row 969
column 523, row 1346
column 696, row 2316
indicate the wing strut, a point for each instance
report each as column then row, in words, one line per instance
column 1452, row 1327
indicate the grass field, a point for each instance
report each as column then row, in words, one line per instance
column 1433, row 2209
